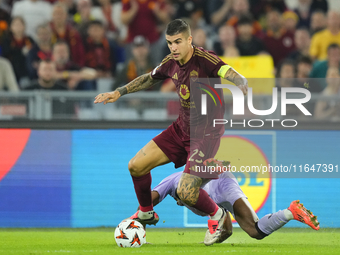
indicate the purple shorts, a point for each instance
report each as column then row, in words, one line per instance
column 190, row 152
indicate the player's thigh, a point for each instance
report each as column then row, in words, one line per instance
column 245, row 216
column 149, row 157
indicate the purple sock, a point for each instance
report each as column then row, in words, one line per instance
column 272, row 222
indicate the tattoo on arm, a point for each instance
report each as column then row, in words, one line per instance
column 235, row 77
column 122, row 90
column 142, row 82
column 188, row 188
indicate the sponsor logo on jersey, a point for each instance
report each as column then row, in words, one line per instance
column 175, row 77
column 184, row 91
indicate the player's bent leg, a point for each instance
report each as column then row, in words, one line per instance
column 149, row 157
column 189, row 191
column 247, row 218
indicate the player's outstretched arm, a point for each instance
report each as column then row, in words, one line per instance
column 142, row 82
column 238, row 79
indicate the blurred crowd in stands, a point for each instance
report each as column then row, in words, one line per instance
column 70, row 44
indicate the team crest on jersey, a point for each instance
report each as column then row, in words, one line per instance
column 184, row 91
column 194, row 75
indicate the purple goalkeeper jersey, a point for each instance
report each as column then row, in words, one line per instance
column 191, row 79
column 224, row 190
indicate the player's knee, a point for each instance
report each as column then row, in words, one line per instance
column 135, row 169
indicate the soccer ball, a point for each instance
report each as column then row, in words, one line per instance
column 130, row 233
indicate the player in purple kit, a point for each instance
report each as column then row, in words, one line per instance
column 178, row 143
column 226, row 192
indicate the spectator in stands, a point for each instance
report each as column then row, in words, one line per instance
column 226, row 45
column 320, row 68
column 110, row 15
column 321, row 5
column 290, row 21
column 321, row 40
column 5, row 11
column 139, row 64
column 47, row 78
column 303, row 67
column 100, row 51
column 15, row 47
column 260, row 9
column 7, row 76
column 199, row 38
column 34, row 13
column 302, row 43
column 242, row 8
column 318, row 22
column 304, row 12
column 62, row 30
column 218, row 11
column 286, row 73
column 329, row 109
column 41, row 50
column 191, row 10
column 187, row 8
column 278, row 42
column 70, row 5
column 246, row 43
column 74, row 76
column 83, row 17
column 143, row 18
column 333, row 60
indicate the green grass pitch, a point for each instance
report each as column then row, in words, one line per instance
column 166, row 241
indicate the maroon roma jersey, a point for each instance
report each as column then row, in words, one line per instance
column 191, row 80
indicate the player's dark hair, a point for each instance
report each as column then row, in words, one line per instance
column 178, row 26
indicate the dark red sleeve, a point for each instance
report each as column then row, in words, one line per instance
column 161, row 72
column 212, row 64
